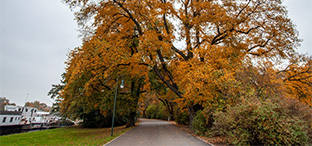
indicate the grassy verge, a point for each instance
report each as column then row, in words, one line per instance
column 64, row 136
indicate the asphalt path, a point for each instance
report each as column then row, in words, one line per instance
column 156, row 133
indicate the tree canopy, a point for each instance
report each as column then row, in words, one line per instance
column 199, row 49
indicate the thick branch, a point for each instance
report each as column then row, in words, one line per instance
column 95, row 88
column 261, row 53
column 179, row 52
column 162, row 78
column 247, row 32
column 220, row 36
column 165, row 20
column 165, row 67
column 260, row 45
column 127, row 64
column 131, row 17
column 107, row 87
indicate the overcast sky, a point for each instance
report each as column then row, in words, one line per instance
column 36, row 35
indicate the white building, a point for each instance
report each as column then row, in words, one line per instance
column 13, row 108
column 28, row 114
column 10, row 118
column 40, row 119
column 10, row 122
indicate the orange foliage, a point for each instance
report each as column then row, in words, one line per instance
column 132, row 37
column 298, row 79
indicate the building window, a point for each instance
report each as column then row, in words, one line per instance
column 11, row 120
column 26, row 110
column 3, row 119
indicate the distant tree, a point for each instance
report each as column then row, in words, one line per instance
column 44, row 105
column 38, row 105
column 3, row 102
column 29, row 104
column 145, row 101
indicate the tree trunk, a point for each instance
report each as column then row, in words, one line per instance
column 135, row 93
column 144, row 113
column 191, row 114
column 171, row 116
column 131, row 119
column 171, row 111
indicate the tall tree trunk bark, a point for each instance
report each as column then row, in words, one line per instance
column 144, row 113
column 191, row 114
column 131, row 119
column 170, row 109
column 135, row 93
column 171, row 115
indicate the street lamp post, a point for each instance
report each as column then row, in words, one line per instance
column 121, row 86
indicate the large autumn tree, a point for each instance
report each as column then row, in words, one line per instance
column 193, row 46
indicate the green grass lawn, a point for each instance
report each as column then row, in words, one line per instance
column 63, row 136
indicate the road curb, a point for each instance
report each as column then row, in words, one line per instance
column 115, row 138
column 199, row 138
column 204, row 141
column 136, row 124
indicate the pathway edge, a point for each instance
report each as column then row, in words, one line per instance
column 115, row 138
column 192, row 135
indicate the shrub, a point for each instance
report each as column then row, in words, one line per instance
column 199, row 124
column 262, row 123
column 157, row 111
column 183, row 118
column 151, row 111
column 94, row 119
column 295, row 108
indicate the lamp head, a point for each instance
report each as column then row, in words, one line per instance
column 122, row 84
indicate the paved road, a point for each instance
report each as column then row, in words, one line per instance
column 156, row 133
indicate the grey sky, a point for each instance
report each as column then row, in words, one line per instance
column 300, row 11
column 35, row 38
column 37, row 34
